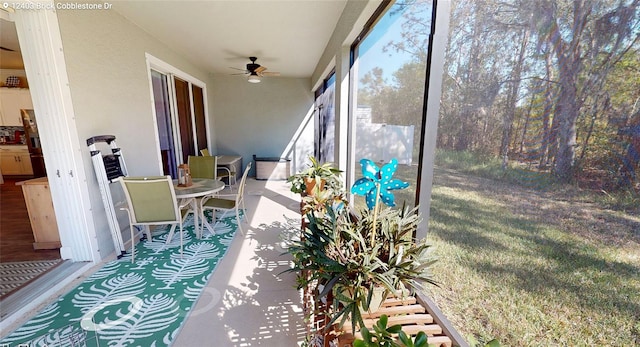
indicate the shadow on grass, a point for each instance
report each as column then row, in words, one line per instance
column 587, row 220
column 539, row 258
column 446, row 211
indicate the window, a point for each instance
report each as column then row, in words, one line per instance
column 325, row 120
column 538, row 148
column 389, row 68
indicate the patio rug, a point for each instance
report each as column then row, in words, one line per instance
column 16, row 274
column 139, row 304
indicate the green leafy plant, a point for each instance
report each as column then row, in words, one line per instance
column 382, row 336
column 390, row 259
column 347, row 257
column 317, row 175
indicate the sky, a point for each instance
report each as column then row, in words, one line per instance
column 370, row 51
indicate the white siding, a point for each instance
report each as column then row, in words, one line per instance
column 41, row 47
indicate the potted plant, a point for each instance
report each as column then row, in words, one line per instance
column 350, row 255
column 382, row 336
column 316, row 176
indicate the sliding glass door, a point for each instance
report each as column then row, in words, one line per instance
column 180, row 118
column 183, row 113
column 199, row 118
column 162, row 104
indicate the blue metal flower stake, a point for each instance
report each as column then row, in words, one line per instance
column 377, row 183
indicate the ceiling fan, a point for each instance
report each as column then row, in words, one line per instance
column 255, row 71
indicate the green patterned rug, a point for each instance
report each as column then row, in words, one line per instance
column 125, row 304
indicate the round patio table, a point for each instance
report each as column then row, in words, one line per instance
column 201, row 187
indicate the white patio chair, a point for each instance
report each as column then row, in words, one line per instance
column 229, row 202
column 222, row 172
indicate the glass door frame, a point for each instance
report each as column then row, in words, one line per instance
column 431, row 106
column 172, row 72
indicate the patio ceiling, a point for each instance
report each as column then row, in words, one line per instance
column 10, row 57
column 286, row 36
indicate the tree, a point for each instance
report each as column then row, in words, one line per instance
column 540, row 78
column 587, row 39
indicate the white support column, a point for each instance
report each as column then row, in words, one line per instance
column 342, row 108
column 44, row 61
column 353, row 165
column 434, row 93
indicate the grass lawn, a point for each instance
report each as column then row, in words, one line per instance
column 534, row 267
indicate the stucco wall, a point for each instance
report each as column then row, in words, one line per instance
column 262, row 119
column 105, row 56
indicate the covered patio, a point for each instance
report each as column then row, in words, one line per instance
column 94, row 72
column 249, row 300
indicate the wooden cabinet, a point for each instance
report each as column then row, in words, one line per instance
column 15, row 160
column 37, row 196
column 24, row 159
column 12, row 100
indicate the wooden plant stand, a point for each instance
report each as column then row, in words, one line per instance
column 406, row 311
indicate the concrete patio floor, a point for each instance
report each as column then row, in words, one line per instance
column 248, row 300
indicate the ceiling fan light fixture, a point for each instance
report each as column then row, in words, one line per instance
column 253, row 78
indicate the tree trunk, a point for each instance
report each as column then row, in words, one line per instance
column 565, row 158
column 471, row 83
column 546, row 115
column 568, row 111
column 512, row 99
column 568, row 56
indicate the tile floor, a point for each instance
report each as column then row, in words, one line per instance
column 249, row 301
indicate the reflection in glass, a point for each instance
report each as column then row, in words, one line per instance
column 390, row 65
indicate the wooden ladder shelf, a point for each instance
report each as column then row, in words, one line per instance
column 408, row 312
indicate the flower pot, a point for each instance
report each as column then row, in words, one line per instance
column 310, row 184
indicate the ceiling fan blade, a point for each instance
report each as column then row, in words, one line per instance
column 235, row 68
column 255, row 71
